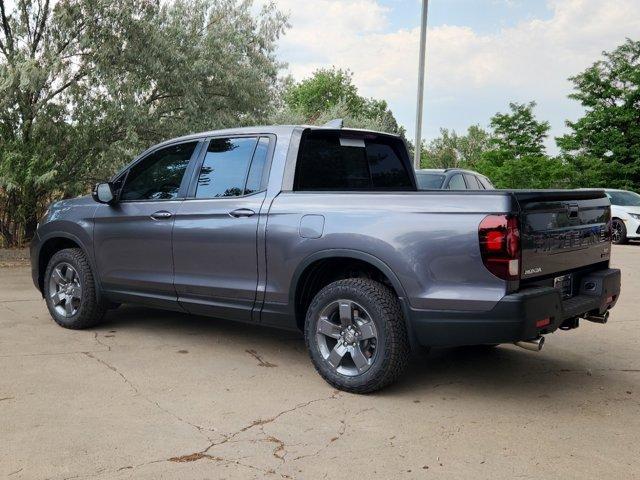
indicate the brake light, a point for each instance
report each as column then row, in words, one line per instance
column 500, row 245
column 543, row 323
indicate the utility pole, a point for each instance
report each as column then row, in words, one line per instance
column 423, row 42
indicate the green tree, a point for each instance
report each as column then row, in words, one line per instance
column 452, row 150
column 538, row 171
column 323, row 90
column 86, row 84
column 607, row 137
column 330, row 93
column 518, row 132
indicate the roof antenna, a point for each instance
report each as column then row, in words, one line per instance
column 335, row 123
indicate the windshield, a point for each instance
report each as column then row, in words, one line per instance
column 624, row 199
column 429, row 181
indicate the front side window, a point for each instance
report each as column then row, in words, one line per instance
column 228, row 169
column 457, row 183
column 158, row 176
column 429, row 181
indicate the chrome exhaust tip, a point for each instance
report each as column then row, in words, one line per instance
column 598, row 318
column 534, row 345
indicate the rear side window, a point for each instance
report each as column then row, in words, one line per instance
column 472, row 182
column 486, row 183
column 328, row 161
column 254, row 180
column 228, row 169
column 457, row 183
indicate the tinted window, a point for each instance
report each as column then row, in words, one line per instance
column 387, row 170
column 325, row 165
column 472, row 182
column 225, row 167
column 429, row 181
column 254, row 180
column 158, row 176
column 624, row 198
column 328, row 162
column 485, row 182
column 457, row 183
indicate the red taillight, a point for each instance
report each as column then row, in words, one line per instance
column 543, row 323
column 500, row 245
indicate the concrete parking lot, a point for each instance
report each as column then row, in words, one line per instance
column 152, row 395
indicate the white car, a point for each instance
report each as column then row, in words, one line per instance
column 625, row 214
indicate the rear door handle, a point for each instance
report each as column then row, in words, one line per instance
column 161, row 215
column 242, row 212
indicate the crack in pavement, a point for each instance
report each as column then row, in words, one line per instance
column 115, row 370
column 19, row 355
column 340, row 433
column 261, row 362
column 99, row 342
column 279, row 452
column 202, row 430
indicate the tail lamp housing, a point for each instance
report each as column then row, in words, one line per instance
column 499, row 237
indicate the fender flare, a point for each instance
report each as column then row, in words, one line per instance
column 69, row 236
column 344, row 253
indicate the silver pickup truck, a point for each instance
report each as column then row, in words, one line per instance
column 323, row 230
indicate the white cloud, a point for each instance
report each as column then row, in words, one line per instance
column 531, row 60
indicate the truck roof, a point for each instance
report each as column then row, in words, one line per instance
column 279, row 130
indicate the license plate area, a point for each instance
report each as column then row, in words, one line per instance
column 564, row 284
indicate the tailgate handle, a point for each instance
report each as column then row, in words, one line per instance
column 572, row 210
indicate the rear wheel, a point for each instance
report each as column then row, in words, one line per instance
column 69, row 290
column 618, row 232
column 356, row 335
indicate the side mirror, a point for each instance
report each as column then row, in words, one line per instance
column 103, row 193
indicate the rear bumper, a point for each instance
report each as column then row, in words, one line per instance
column 514, row 317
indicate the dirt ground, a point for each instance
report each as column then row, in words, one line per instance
column 154, row 395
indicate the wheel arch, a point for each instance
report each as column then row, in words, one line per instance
column 324, row 267
column 52, row 244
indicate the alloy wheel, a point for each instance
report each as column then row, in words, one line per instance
column 347, row 337
column 65, row 290
column 616, row 231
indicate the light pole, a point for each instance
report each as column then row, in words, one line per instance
column 423, row 42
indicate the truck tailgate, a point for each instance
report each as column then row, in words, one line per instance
column 563, row 230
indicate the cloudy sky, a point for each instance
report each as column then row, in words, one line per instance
column 481, row 54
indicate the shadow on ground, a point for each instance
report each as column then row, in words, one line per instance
column 501, row 372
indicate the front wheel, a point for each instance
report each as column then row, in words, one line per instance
column 356, row 335
column 70, row 292
column 618, row 232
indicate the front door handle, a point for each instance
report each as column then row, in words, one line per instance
column 242, row 212
column 161, row 215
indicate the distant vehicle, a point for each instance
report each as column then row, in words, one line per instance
column 451, row 179
column 625, row 215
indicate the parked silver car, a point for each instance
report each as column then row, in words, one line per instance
column 451, row 179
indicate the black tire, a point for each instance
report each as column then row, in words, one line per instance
column 88, row 311
column 619, row 232
column 391, row 348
